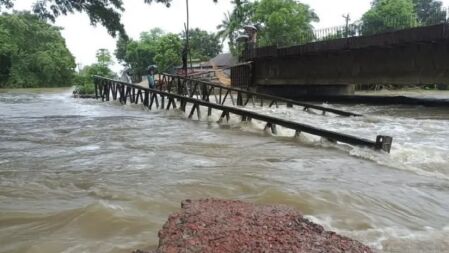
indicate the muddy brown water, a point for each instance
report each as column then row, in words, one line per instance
column 84, row 176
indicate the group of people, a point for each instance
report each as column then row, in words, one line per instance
column 127, row 76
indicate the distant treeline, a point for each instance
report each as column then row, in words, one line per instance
column 165, row 49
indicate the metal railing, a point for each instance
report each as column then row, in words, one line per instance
column 237, row 97
column 376, row 26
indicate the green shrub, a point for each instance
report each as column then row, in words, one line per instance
column 85, row 89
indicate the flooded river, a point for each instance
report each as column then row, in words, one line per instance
column 85, row 176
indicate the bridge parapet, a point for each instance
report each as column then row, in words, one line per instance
column 427, row 34
column 415, row 56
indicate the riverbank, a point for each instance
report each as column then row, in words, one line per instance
column 221, row 226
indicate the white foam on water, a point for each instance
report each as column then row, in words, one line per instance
column 394, row 160
column 419, row 145
column 393, row 239
column 109, row 205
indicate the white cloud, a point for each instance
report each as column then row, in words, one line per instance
column 83, row 39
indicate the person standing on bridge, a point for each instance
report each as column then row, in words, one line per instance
column 150, row 76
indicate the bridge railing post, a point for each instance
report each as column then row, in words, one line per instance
column 384, row 143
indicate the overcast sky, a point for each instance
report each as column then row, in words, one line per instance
column 83, row 40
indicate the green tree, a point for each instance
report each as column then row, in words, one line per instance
column 102, row 66
column 429, row 11
column 104, row 57
column 153, row 47
column 121, row 48
column 138, row 55
column 387, row 15
column 235, row 20
column 104, row 12
column 84, row 79
column 283, row 22
column 168, row 52
column 280, row 22
column 33, row 53
column 203, row 45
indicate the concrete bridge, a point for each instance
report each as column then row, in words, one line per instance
column 417, row 56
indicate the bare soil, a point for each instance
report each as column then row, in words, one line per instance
column 221, row 226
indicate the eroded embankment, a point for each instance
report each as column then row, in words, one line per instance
column 233, row 226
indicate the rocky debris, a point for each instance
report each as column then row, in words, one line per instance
column 233, row 226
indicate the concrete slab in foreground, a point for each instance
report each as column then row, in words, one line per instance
column 233, row 226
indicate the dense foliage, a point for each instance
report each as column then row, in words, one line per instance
column 280, row 22
column 234, row 21
column 168, row 52
column 104, row 12
column 164, row 50
column 283, row 22
column 138, row 55
column 288, row 22
column 387, row 15
column 203, row 45
column 84, row 79
column 429, row 11
column 33, row 53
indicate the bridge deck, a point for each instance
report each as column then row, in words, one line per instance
column 107, row 88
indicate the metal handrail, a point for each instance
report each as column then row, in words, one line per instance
column 264, row 96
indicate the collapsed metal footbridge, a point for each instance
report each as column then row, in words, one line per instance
column 175, row 92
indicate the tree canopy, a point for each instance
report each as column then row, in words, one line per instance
column 164, row 50
column 104, row 12
column 429, row 11
column 168, row 52
column 386, row 15
column 104, row 57
column 280, row 22
column 138, row 54
column 203, row 45
column 283, row 22
column 84, row 81
column 240, row 15
column 33, row 53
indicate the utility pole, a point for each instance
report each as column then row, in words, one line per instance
column 185, row 52
column 347, row 18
